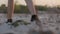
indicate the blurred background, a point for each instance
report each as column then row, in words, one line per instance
column 48, row 13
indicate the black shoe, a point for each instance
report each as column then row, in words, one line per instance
column 33, row 18
column 9, row 21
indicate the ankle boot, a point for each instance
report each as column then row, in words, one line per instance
column 9, row 20
column 33, row 18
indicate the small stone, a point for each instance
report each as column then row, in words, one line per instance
column 9, row 33
column 57, row 28
column 46, row 32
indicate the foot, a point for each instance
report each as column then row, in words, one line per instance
column 33, row 18
column 9, row 21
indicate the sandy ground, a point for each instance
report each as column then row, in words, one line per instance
column 49, row 22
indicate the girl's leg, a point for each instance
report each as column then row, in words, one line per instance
column 31, row 6
column 10, row 10
column 32, row 9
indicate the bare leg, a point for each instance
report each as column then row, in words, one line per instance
column 10, row 10
column 31, row 6
column 32, row 9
